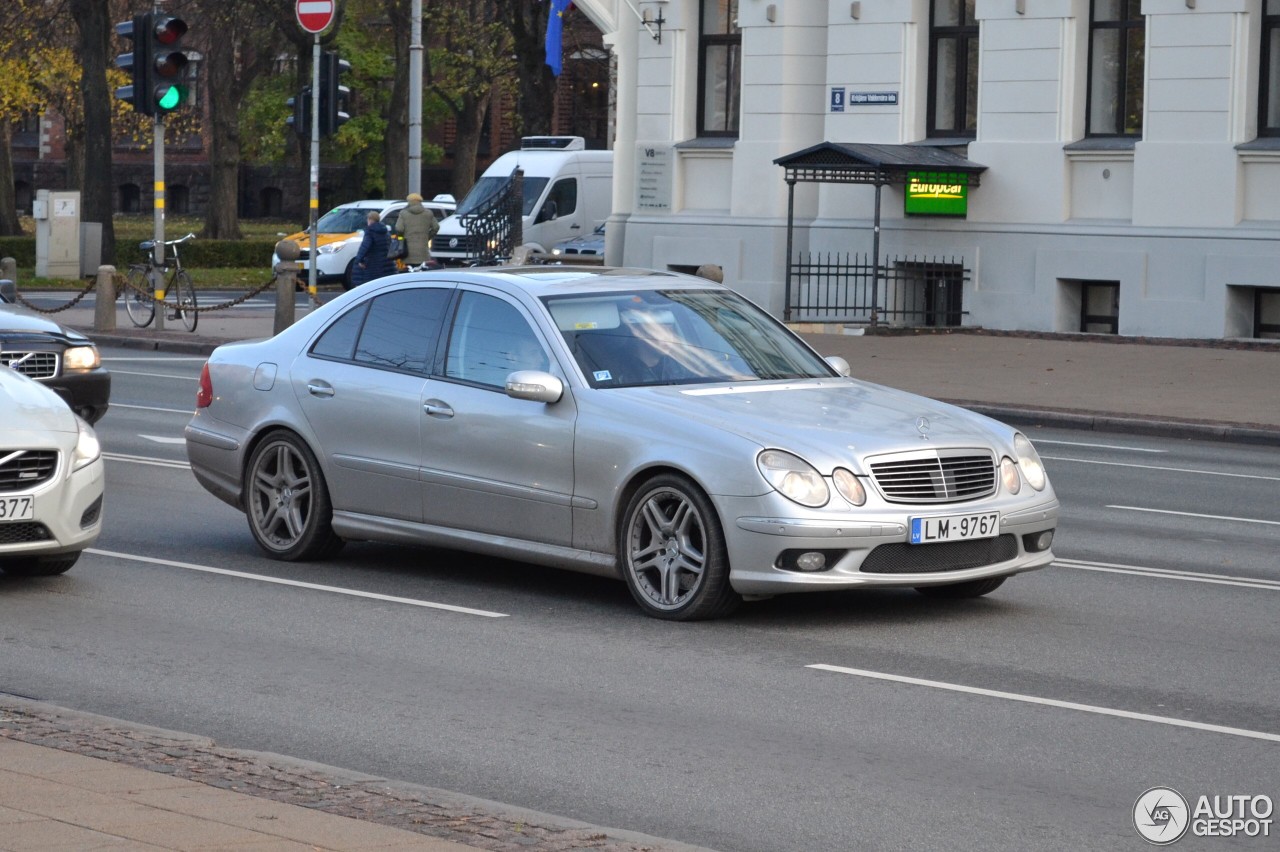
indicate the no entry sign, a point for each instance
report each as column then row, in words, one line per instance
column 315, row 16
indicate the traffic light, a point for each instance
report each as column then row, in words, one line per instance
column 137, row 62
column 155, row 63
column 300, row 121
column 334, row 97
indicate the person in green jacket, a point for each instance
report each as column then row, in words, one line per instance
column 418, row 225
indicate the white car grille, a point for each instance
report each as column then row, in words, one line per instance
column 23, row 469
column 35, row 365
column 935, row 476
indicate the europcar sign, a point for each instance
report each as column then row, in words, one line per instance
column 937, row 194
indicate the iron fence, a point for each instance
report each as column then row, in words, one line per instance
column 495, row 228
column 835, row 287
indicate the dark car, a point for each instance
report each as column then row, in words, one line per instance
column 60, row 358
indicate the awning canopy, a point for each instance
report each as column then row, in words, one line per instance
column 840, row 162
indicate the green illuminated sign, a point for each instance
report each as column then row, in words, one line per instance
column 937, row 194
column 168, row 97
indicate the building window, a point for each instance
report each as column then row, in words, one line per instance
column 719, row 68
column 953, row 69
column 1100, row 307
column 177, row 199
column 1269, row 86
column 1266, row 314
column 1117, row 55
column 130, row 198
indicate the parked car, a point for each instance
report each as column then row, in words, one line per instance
column 650, row 426
column 338, row 234
column 575, row 247
column 62, row 359
column 51, row 480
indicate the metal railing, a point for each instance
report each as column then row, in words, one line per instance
column 495, row 228
column 835, row 287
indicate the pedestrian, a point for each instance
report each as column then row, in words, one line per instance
column 371, row 260
column 419, row 226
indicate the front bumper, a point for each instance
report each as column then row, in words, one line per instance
column 68, row 516
column 760, row 548
column 87, row 392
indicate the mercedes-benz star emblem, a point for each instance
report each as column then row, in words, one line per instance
column 922, row 426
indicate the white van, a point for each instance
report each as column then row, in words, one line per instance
column 568, row 192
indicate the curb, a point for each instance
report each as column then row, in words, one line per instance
column 1235, row 433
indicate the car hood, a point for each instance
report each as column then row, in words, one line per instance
column 303, row 239
column 16, row 321
column 31, row 407
column 825, row 420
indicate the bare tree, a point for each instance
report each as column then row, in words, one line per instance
column 93, row 21
column 535, row 104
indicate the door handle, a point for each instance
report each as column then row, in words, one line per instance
column 437, row 408
column 319, row 389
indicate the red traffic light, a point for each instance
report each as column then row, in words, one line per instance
column 169, row 30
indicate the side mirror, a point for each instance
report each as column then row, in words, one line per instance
column 535, row 386
column 8, row 291
column 840, row 365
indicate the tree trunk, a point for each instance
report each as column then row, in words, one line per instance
column 536, row 102
column 223, row 220
column 97, row 188
column 470, row 121
column 396, row 142
column 9, row 225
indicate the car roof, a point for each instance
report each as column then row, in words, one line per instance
column 554, row 280
column 385, row 204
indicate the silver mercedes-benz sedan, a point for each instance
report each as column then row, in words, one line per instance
column 643, row 425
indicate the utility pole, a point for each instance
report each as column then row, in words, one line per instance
column 415, row 98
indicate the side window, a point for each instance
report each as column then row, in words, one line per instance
column 389, row 219
column 401, row 330
column 561, row 201
column 719, row 68
column 491, row 339
column 953, row 69
column 339, row 340
column 1117, row 57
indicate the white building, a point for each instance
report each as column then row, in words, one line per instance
column 1132, row 152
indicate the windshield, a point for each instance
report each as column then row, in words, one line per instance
column 342, row 220
column 488, row 187
column 673, row 337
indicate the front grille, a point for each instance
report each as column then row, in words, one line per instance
column 465, row 243
column 935, row 476
column 23, row 469
column 571, row 250
column 903, row 558
column 35, row 365
column 23, row 532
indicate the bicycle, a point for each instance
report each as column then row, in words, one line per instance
column 139, row 302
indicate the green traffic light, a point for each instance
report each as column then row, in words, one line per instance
column 170, row 98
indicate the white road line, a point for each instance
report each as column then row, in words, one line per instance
column 190, row 566
column 163, row 439
column 145, row 460
column 1196, row 515
column 1039, row 441
column 1170, row 574
column 1171, row 469
column 185, row 411
column 156, row 375
column 1052, row 702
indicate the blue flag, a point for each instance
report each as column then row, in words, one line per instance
column 555, row 34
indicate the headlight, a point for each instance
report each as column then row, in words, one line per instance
column 87, row 447
column 81, row 358
column 1029, row 462
column 849, row 486
column 1009, row 475
column 330, row 248
column 793, row 478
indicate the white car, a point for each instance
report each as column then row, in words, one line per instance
column 51, row 480
column 339, row 232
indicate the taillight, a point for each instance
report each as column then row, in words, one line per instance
column 204, row 393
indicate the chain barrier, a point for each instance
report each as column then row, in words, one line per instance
column 199, row 309
column 93, row 283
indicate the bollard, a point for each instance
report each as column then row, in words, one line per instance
column 286, row 285
column 104, row 304
column 9, row 269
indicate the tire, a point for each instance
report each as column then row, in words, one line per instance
column 960, row 591
column 137, row 303
column 672, row 554
column 41, row 566
column 287, row 502
column 184, row 293
column 346, row 276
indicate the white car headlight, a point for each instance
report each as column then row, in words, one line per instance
column 87, row 447
column 81, row 358
column 849, row 486
column 1009, row 475
column 1029, row 462
column 330, row 248
column 793, row 478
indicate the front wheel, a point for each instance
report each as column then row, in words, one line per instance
column 137, row 298
column 672, row 552
column 961, row 591
column 287, row 501
column 184, row 293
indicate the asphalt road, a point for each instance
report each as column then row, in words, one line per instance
column 1032, row 719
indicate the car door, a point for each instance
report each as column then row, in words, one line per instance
column 491, row 463
column 361, row 387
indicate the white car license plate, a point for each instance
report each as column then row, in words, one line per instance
column 955, row 528
column 17, row 508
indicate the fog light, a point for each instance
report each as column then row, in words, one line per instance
column 1037, row 542
column 812, row 561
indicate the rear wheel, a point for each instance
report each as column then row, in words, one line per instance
column 137, row 299
column 959, row 591
column 41, row 566
column 287, row 501
column 672, row 552
column 346, row 275
column 184, row 293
